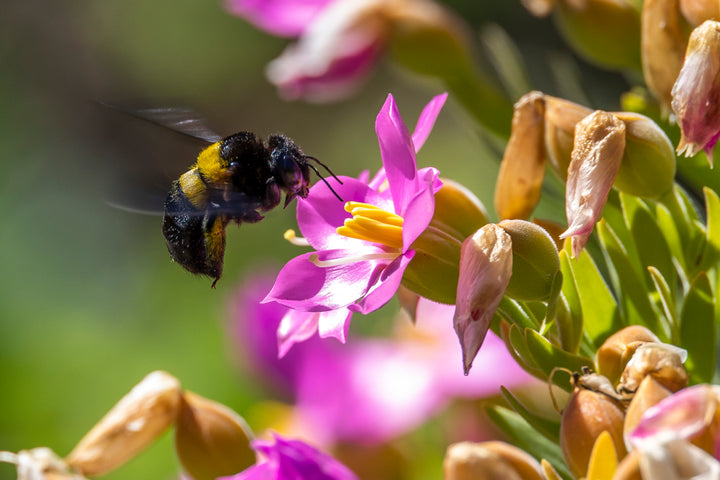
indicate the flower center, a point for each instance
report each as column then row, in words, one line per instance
column 372, row 224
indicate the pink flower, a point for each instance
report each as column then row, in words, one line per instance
column 286, row 459
column 340, row 41
column 284, row 18
column 361, row 247
column 391, row 385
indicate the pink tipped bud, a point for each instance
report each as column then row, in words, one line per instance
column 485, row 270
column 697, row 90
column 598, row 149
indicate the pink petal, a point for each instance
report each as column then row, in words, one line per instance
column 302, row 285
column 284, row 18
column 421, row 207
column 386, row 286
column 398, row 155
column 321, row 212
column 295, row 327
column 335, row 53
column 334, row 324
column 681, row 415
column 427, row 120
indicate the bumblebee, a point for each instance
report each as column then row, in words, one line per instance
column 234, row 180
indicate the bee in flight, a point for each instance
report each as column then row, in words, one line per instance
column 234, row 179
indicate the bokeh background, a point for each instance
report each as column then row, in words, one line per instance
column 89, row 299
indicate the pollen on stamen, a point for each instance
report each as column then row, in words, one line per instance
column 291, row 237
column 372, row 224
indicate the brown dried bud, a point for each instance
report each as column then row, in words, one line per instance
column 561, row 116
column 616, row 351
column 519, row 182
column 664, row 362
column 39, row 464
column 588, row 414
column 137, row 420
column 697, row 11
column 211, row 440
column 489, row 461
column 648, row 394
column 663, row 47
column 629, row 467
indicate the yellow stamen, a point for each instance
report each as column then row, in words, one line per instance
column 291, row 237
column 372, row 224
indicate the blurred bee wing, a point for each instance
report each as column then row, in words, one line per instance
column 178, row 119
column 181, row 120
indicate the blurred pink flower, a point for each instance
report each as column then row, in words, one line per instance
column 284, row 18
column 362, row 247
column 287, row 459
column 391, row 385
column 339, row 43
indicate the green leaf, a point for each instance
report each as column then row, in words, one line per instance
column 666, row 300
column 697, row 330
column 549, row 428
column 519, row 349
column 650, row 244
column 515, row 314
column 600, row 314
column 711, row 250
column 634, row 297
column 569, row 315
column 525, row 437
column 547, row 356
column 666, row 224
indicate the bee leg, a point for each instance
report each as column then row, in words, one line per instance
column 272, row 195
column 249, row 217
column 214, row 243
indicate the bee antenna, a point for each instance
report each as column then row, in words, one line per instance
column 308, row 157
column 324, row 180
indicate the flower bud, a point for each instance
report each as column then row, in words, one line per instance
column 561, row 116
column 39, row 464
column 649, row 393
column 648, row 163
column 535, row 261
column 137, row 420
column 485, row 269
column 489, row 461
column 588, row 414
column 629, row 467
column 433, row 271
column 211, row 440
column 694, row 96
column 697, row 11
column 518, row 186
column 616, row 351
column 663, row 47
column 597, row 152
column 586, row 25
column 664, row 362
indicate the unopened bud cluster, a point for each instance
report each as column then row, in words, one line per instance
column 636, row 372
column 210, row 439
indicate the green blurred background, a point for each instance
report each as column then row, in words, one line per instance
column 89, row 300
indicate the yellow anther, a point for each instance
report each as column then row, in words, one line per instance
column 291, row 237
column 372, row 224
